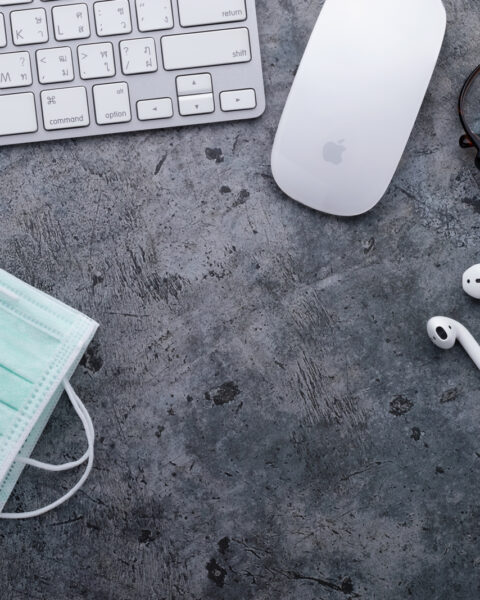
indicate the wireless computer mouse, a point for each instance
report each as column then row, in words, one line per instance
column 355, row 100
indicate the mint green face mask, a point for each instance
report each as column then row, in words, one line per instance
column 41, row 343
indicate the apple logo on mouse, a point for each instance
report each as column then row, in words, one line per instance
column 333, row 152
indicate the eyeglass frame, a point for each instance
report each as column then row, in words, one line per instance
column 469, row 139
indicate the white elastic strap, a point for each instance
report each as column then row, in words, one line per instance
column 66, row 466
column 89, row 454
column 48, row 467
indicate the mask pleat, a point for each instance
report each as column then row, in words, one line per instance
column 14, row 390
column 8, row 405
column 25, row 349
column 41, row 342
column 41, row 311
column 7, row 416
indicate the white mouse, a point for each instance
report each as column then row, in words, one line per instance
column 354, row 101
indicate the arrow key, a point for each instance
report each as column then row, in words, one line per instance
column 200, row 83
column 158, row 108
column 238, row 100
column 198, row 104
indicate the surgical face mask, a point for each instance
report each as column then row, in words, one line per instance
column 41, row 344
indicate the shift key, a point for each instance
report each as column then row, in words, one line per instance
column 206, row 49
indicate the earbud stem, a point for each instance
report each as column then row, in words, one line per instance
column 472, row 348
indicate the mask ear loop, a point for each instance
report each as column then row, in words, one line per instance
column 89, row 455
column 66, row 466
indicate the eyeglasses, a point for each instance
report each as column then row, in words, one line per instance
column 469, row 111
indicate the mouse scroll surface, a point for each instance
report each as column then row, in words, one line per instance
column 354, row 101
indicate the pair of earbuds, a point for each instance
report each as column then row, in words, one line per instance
column 445, row 332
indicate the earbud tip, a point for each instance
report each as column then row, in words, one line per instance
column 471, row 282
column 441, row 331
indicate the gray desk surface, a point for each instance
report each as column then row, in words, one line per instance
column 272, row 420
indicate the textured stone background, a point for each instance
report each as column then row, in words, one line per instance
column 273, row 422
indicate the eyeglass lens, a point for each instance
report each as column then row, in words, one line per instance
column 471, row 106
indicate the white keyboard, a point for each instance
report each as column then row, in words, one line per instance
column 73, row 69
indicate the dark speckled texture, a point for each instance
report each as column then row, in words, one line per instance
column 272, row 420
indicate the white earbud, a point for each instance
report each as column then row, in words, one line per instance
column 444, row 332
column 471, row 281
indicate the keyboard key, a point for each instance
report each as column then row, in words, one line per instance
column 55, row 65
column 112, row 17
column 65, row 108
column 209, row 12
column 17, row 114
column 96, row 60
column 138, row 56
column 112, row 103
column 238, row 100
column 154, row 15
column 199, row 104
column 194, row 84
column 29, row 26
column 158, row 108
column 206, row 49
column 70, row 22
column 15, row 70
column 90, row 67
column 3, row 36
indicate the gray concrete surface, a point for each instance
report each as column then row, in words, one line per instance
column 272, row 420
